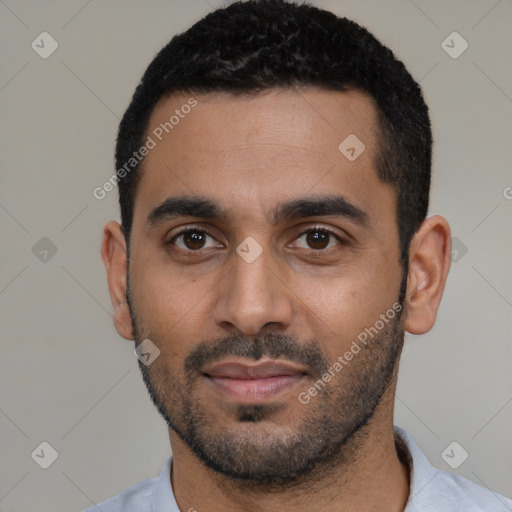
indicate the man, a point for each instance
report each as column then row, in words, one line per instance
column 274, row 173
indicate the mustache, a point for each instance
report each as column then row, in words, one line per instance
column 274, row 346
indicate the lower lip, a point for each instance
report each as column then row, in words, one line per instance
column 255, row 389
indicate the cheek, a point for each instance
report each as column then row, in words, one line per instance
column 343, row 306
column 170, row 308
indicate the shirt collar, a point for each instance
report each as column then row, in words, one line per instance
column 421, row 472
column 163, row 496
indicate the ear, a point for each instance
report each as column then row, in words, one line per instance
column 429, row 263
column 113, row 253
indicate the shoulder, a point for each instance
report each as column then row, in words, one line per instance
column 136, row 498
column 454, row 489
column 433, row 490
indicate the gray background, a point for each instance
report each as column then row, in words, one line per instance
column 68, row 379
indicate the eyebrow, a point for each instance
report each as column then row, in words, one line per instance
column 203, row 207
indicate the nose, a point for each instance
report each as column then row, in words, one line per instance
column 254, row 296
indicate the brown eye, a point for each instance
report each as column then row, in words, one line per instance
column 319, row 239
column 192, row 240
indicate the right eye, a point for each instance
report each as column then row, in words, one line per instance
column 192, row 240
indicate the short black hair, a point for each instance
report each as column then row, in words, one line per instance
column 253, row 46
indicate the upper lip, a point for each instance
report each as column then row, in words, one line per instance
column 261, row 370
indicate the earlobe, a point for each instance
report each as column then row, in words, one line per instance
column 429, row 263
column 113, row 253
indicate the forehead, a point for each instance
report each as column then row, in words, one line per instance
column 312, row 120
column 251, row 152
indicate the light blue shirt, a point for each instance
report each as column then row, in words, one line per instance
column 431, row 490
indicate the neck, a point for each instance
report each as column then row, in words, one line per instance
column 368, row 477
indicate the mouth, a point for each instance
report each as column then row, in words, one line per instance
column 254, row 383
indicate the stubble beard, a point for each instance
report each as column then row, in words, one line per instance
column 253, row 450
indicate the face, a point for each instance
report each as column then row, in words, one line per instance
column 260, row 258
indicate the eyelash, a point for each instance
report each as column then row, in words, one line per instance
column 205, row 231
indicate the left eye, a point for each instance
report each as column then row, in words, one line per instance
column 319, row 239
